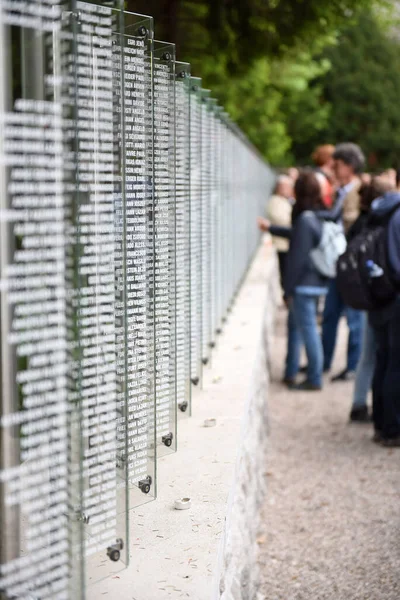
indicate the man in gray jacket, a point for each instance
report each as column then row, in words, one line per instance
column 349, row 162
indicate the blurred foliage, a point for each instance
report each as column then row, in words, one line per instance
column 291, row 73
column 363, row 91
column 274, row 97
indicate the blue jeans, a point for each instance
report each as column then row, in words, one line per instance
column 366, row 366
column 303, row 328
column 334, row 308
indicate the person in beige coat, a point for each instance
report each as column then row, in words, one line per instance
column 279, row 212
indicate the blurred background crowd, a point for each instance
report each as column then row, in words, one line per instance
column 364, row 208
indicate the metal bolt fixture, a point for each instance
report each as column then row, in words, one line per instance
column 166, row 56
column 114, row 551
column 70, row 15
column 81, row 516
column 167, row 439
column 195, row 380
column 142, row 31
column 145, row 484
column 183, row 406
column 120, row 462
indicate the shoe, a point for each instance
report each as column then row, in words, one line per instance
column 306, row 386
column 377, row 438
column 289, row 381
column 360, row 415
column 344, row 376
column 393, row 442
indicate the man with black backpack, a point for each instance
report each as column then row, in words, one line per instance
column 386, row 324
column 368, row 277
column 359, row 413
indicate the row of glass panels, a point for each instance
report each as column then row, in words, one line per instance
column 127, row 210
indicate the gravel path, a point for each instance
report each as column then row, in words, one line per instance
column 332, row 514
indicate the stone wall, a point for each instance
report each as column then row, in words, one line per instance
column 238, row 571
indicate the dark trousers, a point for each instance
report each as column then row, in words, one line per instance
column 282, row 257
column 386, row 382
column 334, row 308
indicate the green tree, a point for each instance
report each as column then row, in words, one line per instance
column 363, row 89
column 264, row 62
column 273, row 100
column 244, row 30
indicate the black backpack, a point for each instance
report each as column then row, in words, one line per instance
column 364, row 276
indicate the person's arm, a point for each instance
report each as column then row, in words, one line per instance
column 284, row 232
column 332, row 214
column 265, row 225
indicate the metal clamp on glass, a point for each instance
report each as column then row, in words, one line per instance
column 167, row 439
column 145, row 484
column 114, row 551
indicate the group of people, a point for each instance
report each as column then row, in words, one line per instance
column 337, row 189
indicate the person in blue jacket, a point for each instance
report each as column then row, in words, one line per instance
column 386, row 325
column 303, row 284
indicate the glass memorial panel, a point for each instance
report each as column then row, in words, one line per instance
column 183, row 240
column 242, row 215
column 236, row 226
column 127, row 209
column 220, row 221
column 165, row 244
column 97, row 535
column 195, row 231
column 225, row 229
column 135, row 271
column 213, row 223
column 206, row 225
column 34, row 560
column 238, row 249
column 246, row 211
column 252, row 183
column 230, row 216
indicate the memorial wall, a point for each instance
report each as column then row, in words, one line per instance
column 128, row 202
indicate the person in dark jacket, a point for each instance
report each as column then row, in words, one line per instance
column 359, row 412
column 303, row 284
column 386, row 325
